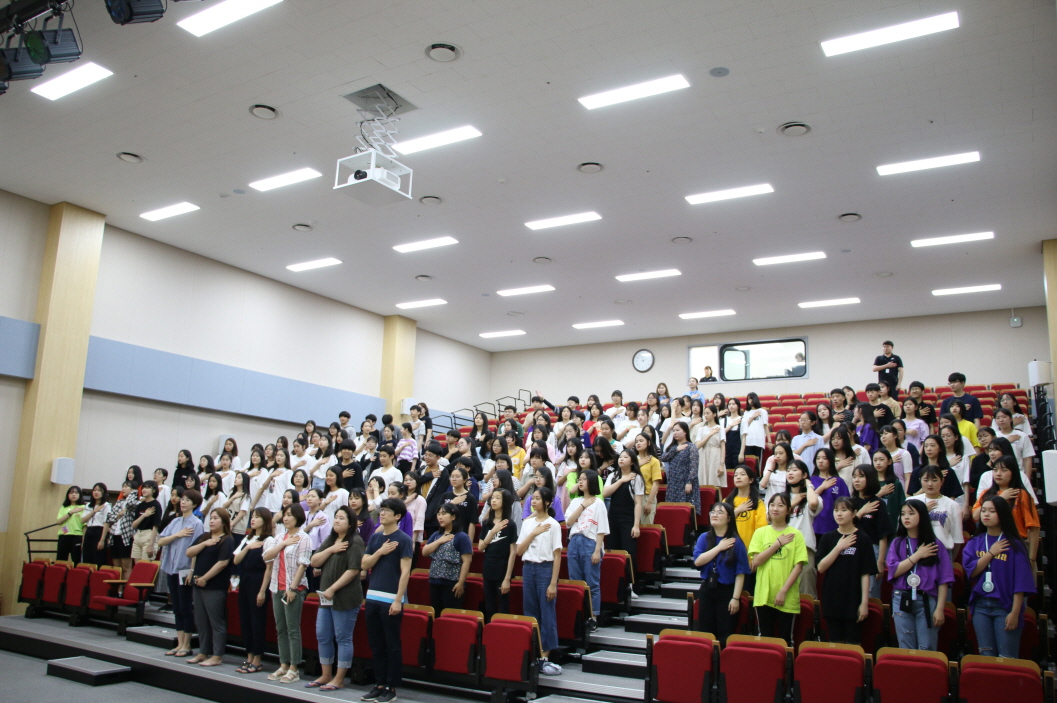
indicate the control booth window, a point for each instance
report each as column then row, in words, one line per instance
column 750, row 361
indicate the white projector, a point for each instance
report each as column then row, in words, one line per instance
column 373, row 178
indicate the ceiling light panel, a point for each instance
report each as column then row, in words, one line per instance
column 425, row 244
column 506, row 333
column 729, row 194
column 709, row 313
column 563, row 220
column 434, row 140
column 285, row 179
column 646, row 275
column 593, row 325
column 634, row 92
column 421, row 303
column 170, row 211
column 71, row 81
column 789, row 258
column 828, row 303
column 317, row 264
column 968, row 289
column 925, row 164
column 525, row 291
column 889, row 35
column 223, row 14
column 953, row 239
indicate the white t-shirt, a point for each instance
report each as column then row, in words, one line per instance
column 753, row 432
column 961, row 468
column 542, row 547
column 775, row 484
column 304, row 461
column 164, row 493
column 321, row 470
column 390, row 475
column 273, row 494
column 805, row 520
column 1022, row 446
column 221, row 498
column 638, row 485
column 592, row 520
column 99, row 519
column 342, row 499
column 987, row 479
column 946, row 520
column 237, row 506
column 236, row 463
column 632, row 426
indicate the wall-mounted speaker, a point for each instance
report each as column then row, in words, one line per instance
column 62, row 471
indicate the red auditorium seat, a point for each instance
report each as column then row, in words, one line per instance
column 792, row 428
column 517, row 595
column 804, row 625
column 1030, row 641
column 234, row 623
column 54, row 582
column 973, row 390
column 477, row 560
column 473, row 593
column 680, row 525
column 98, row 585
column 510, row 650
column 873, row 627
column 790, row 399
column 782, row 410
column 418, row 587
column 651, row 552
column 959, row 592
column 573, row 610
column 910, row 676
column 32, row 581
column 137, row 588
column 825, row 672
column 989, row 679
column 615, row 580
column 459, row 632
column 77, row 590
column 416, row 636
column 708, row 499
column 753, row 669
column 361, row 646
column 679, row 667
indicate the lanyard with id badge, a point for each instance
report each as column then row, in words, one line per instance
column 914, row 582
column 988, row 585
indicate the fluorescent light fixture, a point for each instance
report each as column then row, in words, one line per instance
column 968, row 289
column 827, row 303
column 648, row 274
column 425, row 244
column 937, row 162
column 768, row 260
column 524, row 291
column 71, row 81
column 634, row 92
column 285, row 179
column 421, row 303
column 223, row 14
column 592, row 325
column 888, row 35
column 710, row 313
column 317, row 264
column 564, row 220
column 439, row 139
column 506, row 333
column 729, row 194
column 953, row 239
column 170, row 211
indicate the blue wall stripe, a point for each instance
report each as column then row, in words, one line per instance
column 18, row 347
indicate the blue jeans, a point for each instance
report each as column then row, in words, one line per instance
column 989, row 621
column 914, row 629
column 320, row 483
column 335, row 626
column 581, row 569
column 536, row 578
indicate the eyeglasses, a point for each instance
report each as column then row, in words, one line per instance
column 717, row 511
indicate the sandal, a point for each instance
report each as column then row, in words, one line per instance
column 329, row 687
column 276, row 675
column 171, row 652
column 291, row 677
column 183, row 653
column 313, row 684
column 248, row 668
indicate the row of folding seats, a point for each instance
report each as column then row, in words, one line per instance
column 64, row 588
column 688, row 667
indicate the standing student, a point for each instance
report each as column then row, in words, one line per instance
column 652, row 474
column 94, row 516
column 873, row 517
column 846, row 454
column 804, row 508
column 917, row 429
column 450, row 551
column 959, row 457
column 711, row 441
column 289, row 584
column 540, row 548
column 146, row 517
column 71, row 526
column 212, row 576
column 416, row 506
column 778, row 554
column 119, row 527
column 945, row 517
column 499, row 544
column 731, row 422
column 333, row 494
column 755, row 430
column 177, row 537
column 406, row 449
column 588, row 522
column 773, row 479
column 624, row 488
column 889, row 368
column 351, row 472
column 681, row 460
column 891, row 487
column 724, row 563
column 750, row 512
column 463, row 501
column 1009, row 484
column 388, row 556
column 238, row 504
column 185, row 465
column 933, row 454
column 1018, row 439
column 921, row 575
column 340, row 558
column 829, row 487
column 1001, row 576
column 848, row 562
column 867, row 426
column 214, row 496
column 254, row 578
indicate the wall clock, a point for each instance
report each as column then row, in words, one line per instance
column 642, row 360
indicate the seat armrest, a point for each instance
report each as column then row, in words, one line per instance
column 115, row 581
column 142, row 585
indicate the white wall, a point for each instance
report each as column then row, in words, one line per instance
column 157, row 296
column 116, row 432
column 450, row 375
column 980, row 344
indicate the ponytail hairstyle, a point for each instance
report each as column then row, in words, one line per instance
column 732, row 531
column 456, row 516
column 754, row 487
column 266, row 523
column 547, row 497
column 926, row 535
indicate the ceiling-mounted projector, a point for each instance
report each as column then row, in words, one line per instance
column 373, row 178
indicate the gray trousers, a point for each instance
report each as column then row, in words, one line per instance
column 211, row 621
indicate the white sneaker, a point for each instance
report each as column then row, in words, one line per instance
column 634, row 596
column 549, row 668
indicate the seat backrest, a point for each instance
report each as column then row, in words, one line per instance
column 458, row 637
column 910, row 676
column 309, row 611
column 76, row 587
column 752, row 673
column 142, row 572
column 873, row 626
column 508, row 648
column 418, row 587
column 517, row 596
column 54, row 579
column 97, row 583
column 805, row 620
column 32, row 579
column 829, row 674
column 680, row 668
column 648, row 550
column 572, row 609
column 613, row 582
column 473, row 594
column 676, row 520
column 416, row 631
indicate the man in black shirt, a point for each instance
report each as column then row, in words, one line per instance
column 437, row 477
column 889, row 367
column 350, row 471
column 146, row 518
column 925, row 411
column 882, row 412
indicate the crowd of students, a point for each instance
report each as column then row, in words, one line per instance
column 862, row 489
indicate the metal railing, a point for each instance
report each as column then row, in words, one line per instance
column 30, row 541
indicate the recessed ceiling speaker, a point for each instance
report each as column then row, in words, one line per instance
column 445, row 53
column 264, row 112
column 135, row 11
column 794, row 129
column 589, row 167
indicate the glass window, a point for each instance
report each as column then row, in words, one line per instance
column 784, row 358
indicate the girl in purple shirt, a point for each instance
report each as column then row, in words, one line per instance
column 829, row 486
column 996, row 561
column 921, row 574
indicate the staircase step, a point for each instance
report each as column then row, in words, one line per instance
column 682, row 573
column 86, row 670
column 679, row 589
column 614, row 664
column 156, row 636
column 576, row 683
column 653, row 623
column 617, row 638
column 657, row 603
